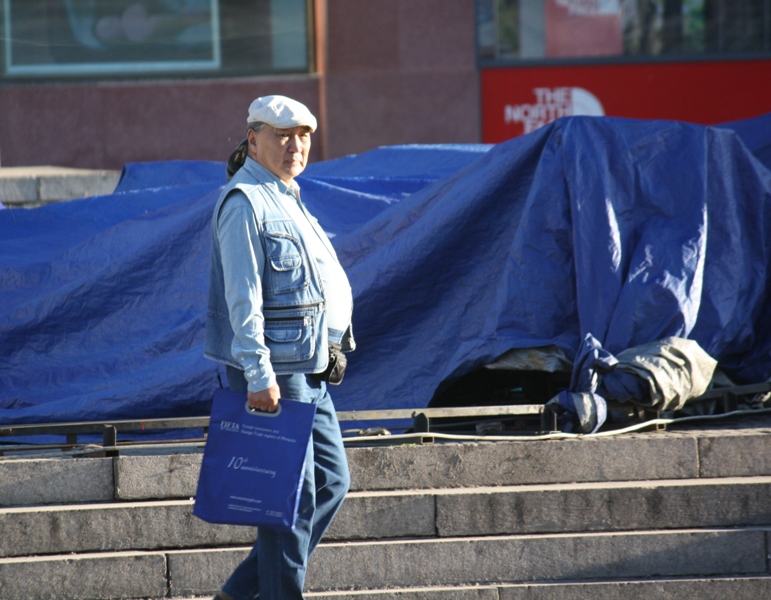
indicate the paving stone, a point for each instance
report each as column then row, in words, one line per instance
column 373, row 515
column 55, row 481
column 197, row 572
column 735, row 455
column 157, row 476
column 84, row 577
column 605, row 507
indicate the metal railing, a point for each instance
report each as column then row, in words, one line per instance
column 422, row 423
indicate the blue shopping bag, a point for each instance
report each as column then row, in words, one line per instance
column 253, row 463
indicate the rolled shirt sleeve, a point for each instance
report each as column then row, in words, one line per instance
column 243, row 264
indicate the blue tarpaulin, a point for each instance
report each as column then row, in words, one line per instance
column 630, row 231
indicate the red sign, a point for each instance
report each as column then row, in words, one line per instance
column 518, row 100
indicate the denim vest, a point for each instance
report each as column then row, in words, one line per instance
column 293, row 296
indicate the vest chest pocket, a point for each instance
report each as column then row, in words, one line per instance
column 290, row 340
column 287, row 269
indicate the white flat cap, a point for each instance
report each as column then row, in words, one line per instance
column 280, row 112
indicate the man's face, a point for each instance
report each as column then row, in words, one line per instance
column 284, row 152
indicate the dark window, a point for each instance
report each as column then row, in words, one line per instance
column 516, row 30
column 109, row 39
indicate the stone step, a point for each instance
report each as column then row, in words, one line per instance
column 611, row 506
column 638, row 457
column 115, row 575
column 736, row 588
column 717, row 588
column 516, row 559
column 148, row 526
column 556, row 508
column 35, row 482
column 651, row 456
column 566, row 559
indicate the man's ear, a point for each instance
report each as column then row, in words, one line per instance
column 251, row 148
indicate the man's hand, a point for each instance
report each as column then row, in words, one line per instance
column 265, row 399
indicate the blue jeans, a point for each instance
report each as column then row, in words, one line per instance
column 275, row 568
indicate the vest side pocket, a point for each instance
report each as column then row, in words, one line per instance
column 290, row 339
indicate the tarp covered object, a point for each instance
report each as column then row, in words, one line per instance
column 754, row 133
column 631, row 231
column 102, row 300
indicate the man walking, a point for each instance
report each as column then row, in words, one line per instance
column 279, row 318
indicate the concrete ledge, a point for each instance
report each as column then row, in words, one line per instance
column 84, row 577
column 17, row 190
column 34, row 186
column 55, row 481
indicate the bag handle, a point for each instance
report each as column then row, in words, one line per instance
column 256, row 412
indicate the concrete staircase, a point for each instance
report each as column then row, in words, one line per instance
column 676, row 514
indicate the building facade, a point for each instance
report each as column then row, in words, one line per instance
column 378, row 72
column 98, row 84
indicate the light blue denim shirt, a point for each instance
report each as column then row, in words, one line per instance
column 267, row 299
column 337, row 289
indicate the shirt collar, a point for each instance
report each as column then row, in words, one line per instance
column 260, row 173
